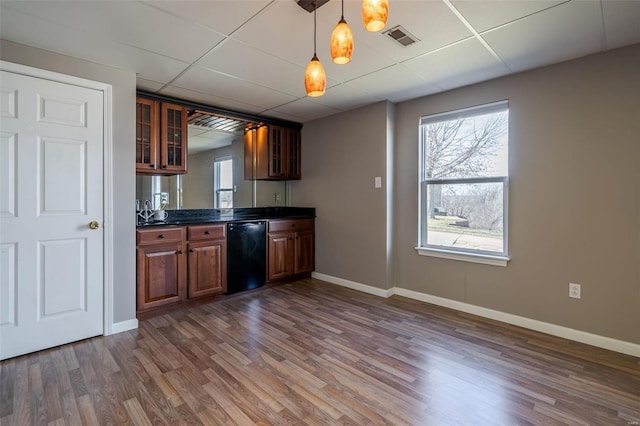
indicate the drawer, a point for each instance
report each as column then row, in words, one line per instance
column 206, row 232
column 158, row 236
column 291, row 225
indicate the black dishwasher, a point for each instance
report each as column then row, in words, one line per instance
column 246, row 255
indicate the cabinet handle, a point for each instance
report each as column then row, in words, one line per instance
column 207, row 232
column 152, row 165
column 290, row 238
column 164, row 166
column 192, row 251
column 179, row 252
column 161, row 236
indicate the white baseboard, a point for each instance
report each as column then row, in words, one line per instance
column 119, row 327
column 616, row 345
column 353, row 285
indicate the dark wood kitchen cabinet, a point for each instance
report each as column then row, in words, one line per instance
column 273, row 153
column 161, row 137
column 160, row 267
column 291, row 248
column 207, row 260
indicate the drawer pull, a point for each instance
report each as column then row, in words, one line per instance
column 161, row 236
column 207, row 232
column 192, row 251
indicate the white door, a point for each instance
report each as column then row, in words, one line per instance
column 51, row 171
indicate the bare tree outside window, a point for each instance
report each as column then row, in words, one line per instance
column 464, row 167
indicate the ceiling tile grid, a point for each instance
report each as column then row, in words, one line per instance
column 250, row 55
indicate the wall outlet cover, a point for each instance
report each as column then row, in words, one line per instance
column 574, row 290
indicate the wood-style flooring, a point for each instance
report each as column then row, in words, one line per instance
column 313, row 353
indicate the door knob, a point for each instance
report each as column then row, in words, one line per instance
column 94, row 224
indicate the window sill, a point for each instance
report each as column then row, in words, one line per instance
column 485, row 259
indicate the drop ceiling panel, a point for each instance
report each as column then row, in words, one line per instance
column 487, row 14
column 221, row 16
column 458, row 65
column 32, row 31
column 235, row 58
column 208, row 99
column 621, row 22
column 214, row 83
column 432, row 22
column 394, row 83
column 306, row 109
column 564, row 32
column 130, row 23
column 285, row 30
column 365, row 60
column 344, row 97
column 149, row 85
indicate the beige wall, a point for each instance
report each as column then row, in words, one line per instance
column 341, row 155
column 124, row 93
column 574, row 196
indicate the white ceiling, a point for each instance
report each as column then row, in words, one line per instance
column 250, row 55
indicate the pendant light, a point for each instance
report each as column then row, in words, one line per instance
column 315, row 80
column 341, row 41
column 374, row 14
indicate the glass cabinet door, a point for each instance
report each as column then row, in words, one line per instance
column 146, row 135
column 277, row 152
column 293, row 153
column 173, row 142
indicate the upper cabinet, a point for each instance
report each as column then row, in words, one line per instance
column 272, row 153
column 161, row 137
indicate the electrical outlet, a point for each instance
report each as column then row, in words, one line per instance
column 574, row 291
column 278, row 197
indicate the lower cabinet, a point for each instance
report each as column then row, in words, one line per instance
column 161, row 268
column 291, row 248
column 176, row 264
column 168, row 274
column 207, row 259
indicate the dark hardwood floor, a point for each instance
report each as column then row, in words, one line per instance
column 313, row 353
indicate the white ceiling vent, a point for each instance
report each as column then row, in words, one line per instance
column 401, row 36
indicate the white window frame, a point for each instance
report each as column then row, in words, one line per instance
column 461, row 254
column 216, row 180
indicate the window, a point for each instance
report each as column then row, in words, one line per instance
column 223, row 182
column 464, row 177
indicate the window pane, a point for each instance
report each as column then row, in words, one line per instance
column 226, row 174
column 466, row 146
column 466, row 216
column 225, row 199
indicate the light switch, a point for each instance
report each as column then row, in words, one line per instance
column 377, row 182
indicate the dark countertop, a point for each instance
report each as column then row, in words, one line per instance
column 202, row 216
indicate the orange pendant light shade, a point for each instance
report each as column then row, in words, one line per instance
column 341, row 43
column 374, row 14
column 315, row 80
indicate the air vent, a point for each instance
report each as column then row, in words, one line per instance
column 401, row 36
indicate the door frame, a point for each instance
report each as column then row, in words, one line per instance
column 107, row 177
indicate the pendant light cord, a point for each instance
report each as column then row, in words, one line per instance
column 315, row 8
column 342, row 14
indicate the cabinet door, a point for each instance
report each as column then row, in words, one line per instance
column 161, row 275
column 277, row 152
column 207, row 265
column 280, row 254
column 173, row 139
column 146, row 135
column 304, row 252
column 293, row 154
